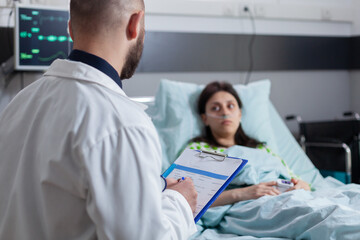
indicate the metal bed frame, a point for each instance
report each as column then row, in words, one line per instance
column 333, row 146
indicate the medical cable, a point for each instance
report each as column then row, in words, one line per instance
column 251, row 46
column 8, row 75
column 9, row 37
column 224, row 116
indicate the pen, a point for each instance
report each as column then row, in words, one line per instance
column 181, row 179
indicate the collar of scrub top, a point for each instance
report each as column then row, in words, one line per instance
column 96, row 62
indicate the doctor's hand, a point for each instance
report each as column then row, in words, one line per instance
column 186, row 188
column 171, row 182
column 299, row 184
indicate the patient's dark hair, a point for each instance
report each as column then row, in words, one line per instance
column 240, row 137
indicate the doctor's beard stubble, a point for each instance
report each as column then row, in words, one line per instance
column 133, row 57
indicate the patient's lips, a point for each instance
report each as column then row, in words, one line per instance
column 226, row 122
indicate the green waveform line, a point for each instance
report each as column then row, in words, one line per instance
column 52, row 18
column 62, row 38
column 25, row 34
column 53, row 38
column 35, row 30
column 25, row 17
column 25, row 56
column 35, row 13
column 53, row 57
column 35, row 51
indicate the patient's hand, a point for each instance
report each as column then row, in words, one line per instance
column 186, row 188
column 259, row 190
column 299, row 184
column 247, row 193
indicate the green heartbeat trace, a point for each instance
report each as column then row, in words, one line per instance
column 53, row 57
column 25, row 17
column 35, row 51
column 25, row 56
column 50, row 38
column 52, row 18
column 25, row 34
column 53, row 38
column 35, row 30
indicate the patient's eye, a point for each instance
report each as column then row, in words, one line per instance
column 231, row 105
column 215, row 108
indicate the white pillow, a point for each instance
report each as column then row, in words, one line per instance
column 176, row 119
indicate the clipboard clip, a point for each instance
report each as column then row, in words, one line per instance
column 219, row 156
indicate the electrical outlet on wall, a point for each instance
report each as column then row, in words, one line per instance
column 244, row 10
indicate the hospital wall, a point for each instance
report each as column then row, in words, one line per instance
column 355, row 74
column 315, row 94
column 355, row 90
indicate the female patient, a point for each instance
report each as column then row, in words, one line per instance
column 220, row 110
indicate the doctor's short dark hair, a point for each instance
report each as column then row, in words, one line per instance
column 240, row 136
column 94, row 16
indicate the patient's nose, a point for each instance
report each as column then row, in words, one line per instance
column 225, row 111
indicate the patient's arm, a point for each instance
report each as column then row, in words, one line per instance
column 246, row 193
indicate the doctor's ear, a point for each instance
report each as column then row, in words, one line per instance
column 134, row 25
column 70, row 30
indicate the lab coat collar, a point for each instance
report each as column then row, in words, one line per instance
column 83, row 72
column 96, row 62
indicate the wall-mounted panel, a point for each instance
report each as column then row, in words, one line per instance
column 186, row 52
column 355, row 52
column 201, row 52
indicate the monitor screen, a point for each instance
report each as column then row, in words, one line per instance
column 41, row 36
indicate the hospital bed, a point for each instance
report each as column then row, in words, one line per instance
column 282, row 217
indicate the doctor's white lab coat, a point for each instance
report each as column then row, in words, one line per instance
column 80, row 160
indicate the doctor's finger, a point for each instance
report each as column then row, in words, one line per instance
column 189, row 180
column 171, row 181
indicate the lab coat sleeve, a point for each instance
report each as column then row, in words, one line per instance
column 124, row 197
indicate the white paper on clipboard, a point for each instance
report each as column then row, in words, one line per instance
column 210, row 172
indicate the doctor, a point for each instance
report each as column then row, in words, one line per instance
column 78, row 158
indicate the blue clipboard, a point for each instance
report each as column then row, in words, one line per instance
column 209, row 174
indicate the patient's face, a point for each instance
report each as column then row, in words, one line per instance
column 222, row 114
